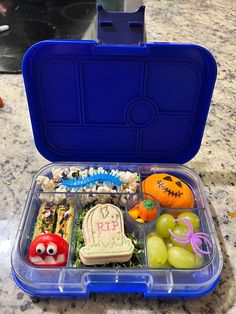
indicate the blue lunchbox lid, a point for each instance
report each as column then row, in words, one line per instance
column 118, row 103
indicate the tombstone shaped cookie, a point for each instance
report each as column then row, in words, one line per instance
column 104, row 237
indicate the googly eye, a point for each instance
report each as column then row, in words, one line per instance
column 40, row 248
column 52, row 249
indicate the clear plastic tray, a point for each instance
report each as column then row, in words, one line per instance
column 81, row 281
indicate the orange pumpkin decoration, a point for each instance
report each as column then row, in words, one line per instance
column 147, row 210
column 144, row 211
column 169, row 191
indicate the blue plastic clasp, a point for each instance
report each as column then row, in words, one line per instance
column 120, row 28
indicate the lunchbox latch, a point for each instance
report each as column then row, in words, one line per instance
column 120, row 28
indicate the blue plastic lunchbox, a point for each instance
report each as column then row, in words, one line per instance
column 118, row 103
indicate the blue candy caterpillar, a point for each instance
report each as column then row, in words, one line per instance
column 79, row 183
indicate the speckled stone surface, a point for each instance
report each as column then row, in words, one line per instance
column 211, row 23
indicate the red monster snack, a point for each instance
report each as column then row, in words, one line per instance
column 48, row 250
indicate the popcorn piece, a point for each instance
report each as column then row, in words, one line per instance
column 73, row 171
column 104, row 189
column 84, row 173
column 57, row 173
column 127, row 176
column 91, row 171
column 133, row 186
column 45, row 183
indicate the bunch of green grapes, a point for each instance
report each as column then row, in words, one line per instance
column 164, row 252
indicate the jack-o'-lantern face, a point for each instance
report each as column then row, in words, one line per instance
column 170, row 191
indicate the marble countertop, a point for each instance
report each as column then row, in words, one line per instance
column 211, row 23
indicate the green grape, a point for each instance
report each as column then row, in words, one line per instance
column 165, row 265
column 156, row 251
column 151, row 234
column 181, row 258
column 179, row 231
column 194, row 219
column 165, row 222
column 199, row 260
